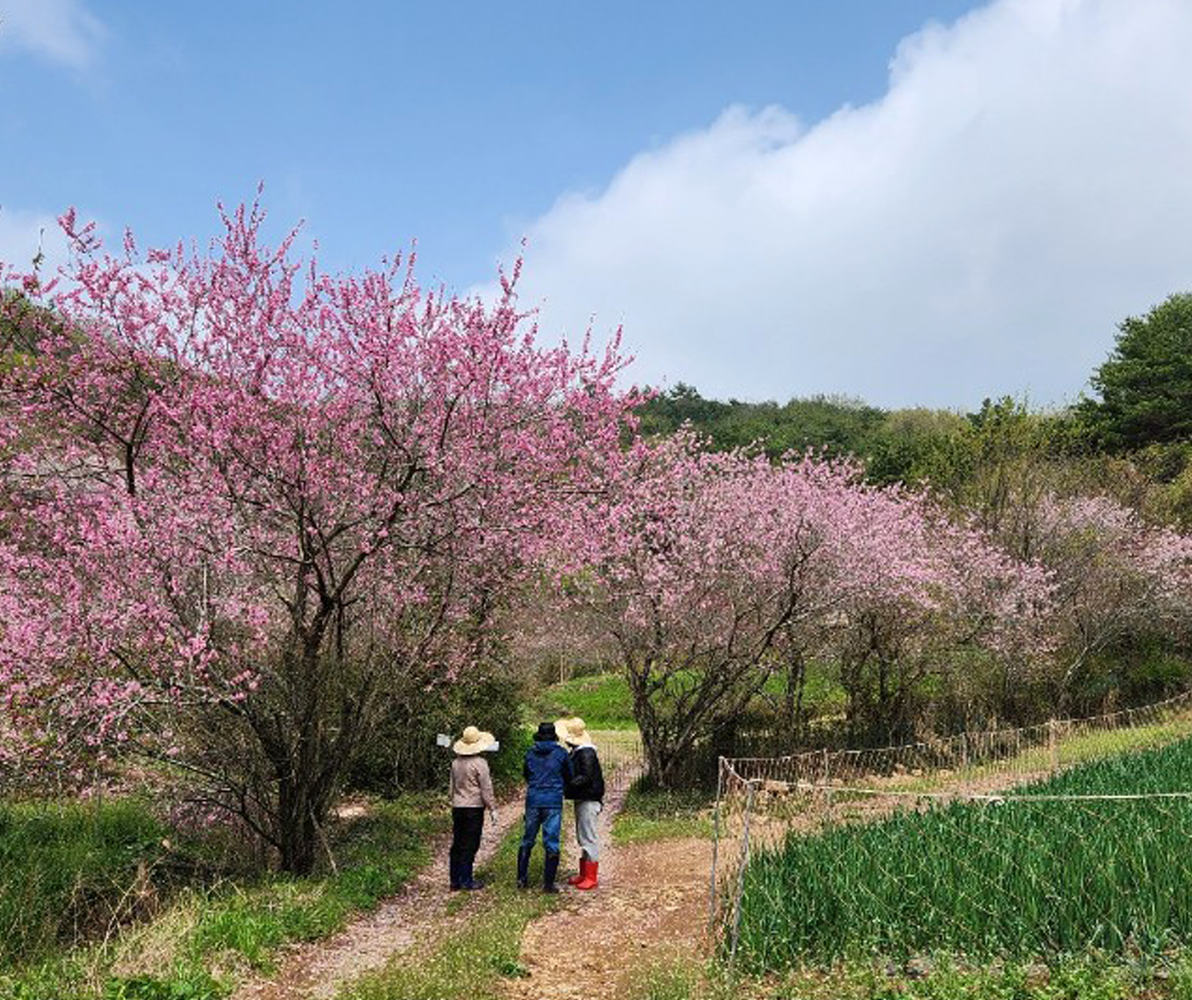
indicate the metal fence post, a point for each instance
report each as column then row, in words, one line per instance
column 715, row 844
column 732, row 953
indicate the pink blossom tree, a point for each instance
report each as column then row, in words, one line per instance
column 240, row 497
column 966, row 603
column 1115, row 577
column 712, row 571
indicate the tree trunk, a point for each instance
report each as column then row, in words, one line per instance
column 306, row 759
column 296, row 809
column 662, row 754
column 796, row 683
column 298, row 846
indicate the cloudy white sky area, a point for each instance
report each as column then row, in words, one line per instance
column 910, row 201
column 62, row 31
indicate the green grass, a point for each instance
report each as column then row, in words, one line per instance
column 670, row 980
column 603, row 701
column 822, row 691
column 68, row 979
column 655, row 814
column 1082, row 747
column 1022, row 879
column 70, row 869
column 1073, row 979
column 477, row 961
column 208, row 934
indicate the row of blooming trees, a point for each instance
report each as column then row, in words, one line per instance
column 711, row 572
column 242, row 502
column 241, row 498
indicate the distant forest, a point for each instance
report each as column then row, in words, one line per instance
column 1131, row 437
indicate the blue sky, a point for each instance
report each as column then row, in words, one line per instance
column 724, row 180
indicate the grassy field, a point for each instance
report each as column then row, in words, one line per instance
column 1021, row 879
column 69, row 869
column 604, row 701
column 88, row 913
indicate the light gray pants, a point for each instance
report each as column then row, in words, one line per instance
column 585, row 828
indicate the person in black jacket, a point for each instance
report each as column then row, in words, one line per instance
column 586, row 789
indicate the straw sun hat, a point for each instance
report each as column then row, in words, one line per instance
column 472, row 741
column 573, row 731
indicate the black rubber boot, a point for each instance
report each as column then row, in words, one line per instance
column 550, row 868
column 523, row 867
column 466, row 879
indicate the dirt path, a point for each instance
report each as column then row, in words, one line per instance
column 315, row 971
column 651, row 905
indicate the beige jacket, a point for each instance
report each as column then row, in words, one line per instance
column 471, row 784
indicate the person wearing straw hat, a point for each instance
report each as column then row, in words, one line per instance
column 547, row 770
column 471, row 794
column 586, row 790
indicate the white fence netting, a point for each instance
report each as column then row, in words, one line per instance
column 1027, row 843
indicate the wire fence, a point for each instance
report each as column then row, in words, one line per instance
column 1027, row 843
column 621, row 758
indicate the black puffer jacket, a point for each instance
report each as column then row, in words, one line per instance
column 587, row 780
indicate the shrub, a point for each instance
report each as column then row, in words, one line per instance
column 403, row 756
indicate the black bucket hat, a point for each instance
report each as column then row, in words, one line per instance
column 546, row 731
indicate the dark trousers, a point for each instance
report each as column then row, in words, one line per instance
column 467, row 822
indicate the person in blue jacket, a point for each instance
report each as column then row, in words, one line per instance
column 547, row 771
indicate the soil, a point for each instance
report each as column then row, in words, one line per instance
column 651, row 906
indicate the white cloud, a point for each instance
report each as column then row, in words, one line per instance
column 1025, row 183
column 61, row 30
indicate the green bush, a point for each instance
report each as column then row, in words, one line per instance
column 1142, row 671
column 401, row 755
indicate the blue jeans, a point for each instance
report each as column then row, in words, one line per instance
column 551, row 820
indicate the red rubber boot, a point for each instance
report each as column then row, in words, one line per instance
column 590, row 880
column 583, row 871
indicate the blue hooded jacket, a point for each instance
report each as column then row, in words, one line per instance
column 547, row 770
